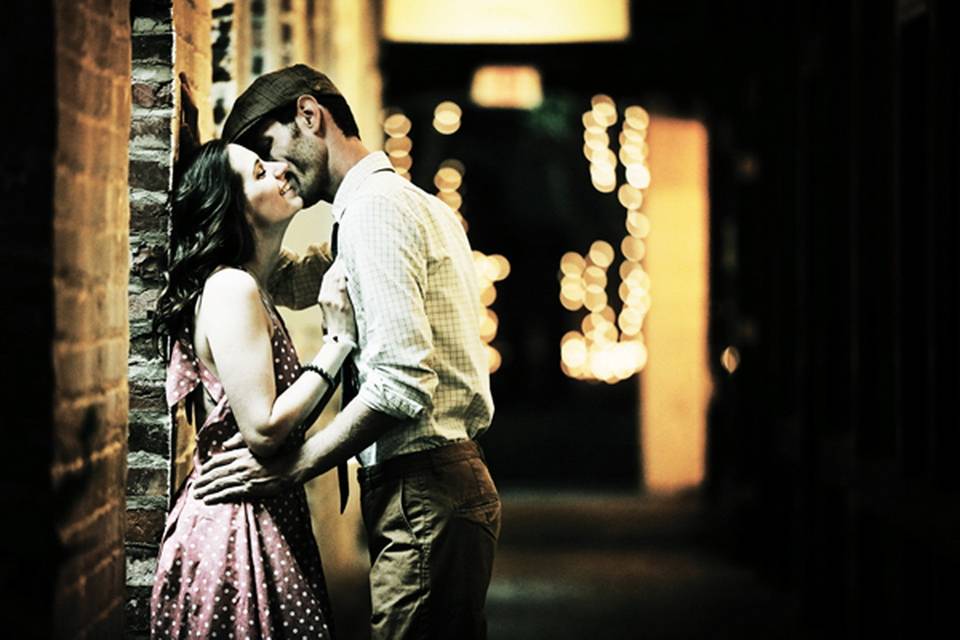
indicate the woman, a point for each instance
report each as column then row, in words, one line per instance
column 247, row 569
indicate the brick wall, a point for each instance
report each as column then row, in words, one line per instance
column 217, row 42
column 151, row 159
column 170, row 41
column 89, row 346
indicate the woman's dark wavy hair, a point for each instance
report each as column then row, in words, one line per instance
column 209, row 229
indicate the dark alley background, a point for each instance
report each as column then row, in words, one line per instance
column 829, row 501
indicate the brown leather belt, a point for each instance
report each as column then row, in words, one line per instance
column 418, row 461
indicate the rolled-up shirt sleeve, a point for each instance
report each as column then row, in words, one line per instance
column 384, row 251
column 295, row 281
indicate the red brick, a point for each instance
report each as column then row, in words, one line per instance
column 153, row 48
column 74, row 370
column 154, row 128
column 98, row 45
column 75, row 315
column 152, row 94
column 149, row 175
column 149, row 212
column 145, row 525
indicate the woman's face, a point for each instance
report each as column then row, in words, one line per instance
column 271, row 199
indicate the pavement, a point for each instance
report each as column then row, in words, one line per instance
column 621, row 566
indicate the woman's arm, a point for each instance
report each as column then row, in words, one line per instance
column 238, row 333
column 296, row 279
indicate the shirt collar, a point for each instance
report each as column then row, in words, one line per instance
column 357, row 174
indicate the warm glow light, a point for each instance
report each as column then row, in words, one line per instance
column 630, row 321
column 488, row 325
column 638, row 224
column 595, row 298
column 634, row 137
column 629, row 196
column 446, row 117
column 730, row 359
column 397, row 125
column 606, row 333
column 569, row 303
column 506, row 87
column 604, row 109
column 627, row 269
column 631, row 153
column 636, row 117
column 397, row 147
column 488, row 269
column 633, row 249
column 595, row 275
column 501, row 266
column 639, row 299
column 479, row 260
column 637, row 278
column 505, row 21
column 572, row 263
column 447, row 112
column 447, row 179
column 575, row 293
column 402, row 163
column 494, row 359
column 488, row 295
column 604, row 158
column 676, row 382
column 601, row 253
column 603, row 177
column 452, row 199
column 589, row 323
column 446, row 129
column 596, row 139
column 591, row 124
column 638, row 176
column 573, row 352
column 612, row 355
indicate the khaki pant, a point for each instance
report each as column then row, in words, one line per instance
column 432, row 520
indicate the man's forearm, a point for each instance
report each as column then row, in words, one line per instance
column 354, row 429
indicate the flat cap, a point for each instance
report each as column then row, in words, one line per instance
column 271, row 91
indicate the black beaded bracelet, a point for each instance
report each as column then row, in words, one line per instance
column 319, row 371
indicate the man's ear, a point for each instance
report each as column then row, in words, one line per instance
column 310, row 114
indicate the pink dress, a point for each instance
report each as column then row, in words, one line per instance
column 240, row 570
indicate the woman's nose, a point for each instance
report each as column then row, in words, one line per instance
column 279, row 168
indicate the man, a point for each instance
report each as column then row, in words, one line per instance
column 431, row 510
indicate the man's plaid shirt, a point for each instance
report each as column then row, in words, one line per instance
column 412, row 282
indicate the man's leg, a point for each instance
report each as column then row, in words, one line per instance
column 397, row 569
column 432, row 535
column 462, row 550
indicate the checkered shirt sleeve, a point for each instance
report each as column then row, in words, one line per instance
column 295, row 282
column 383, row 246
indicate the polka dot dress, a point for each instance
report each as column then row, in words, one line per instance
column 242, row 570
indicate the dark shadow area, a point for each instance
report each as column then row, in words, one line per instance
column 829, row 507
column 28, row 548
column 589, row 565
